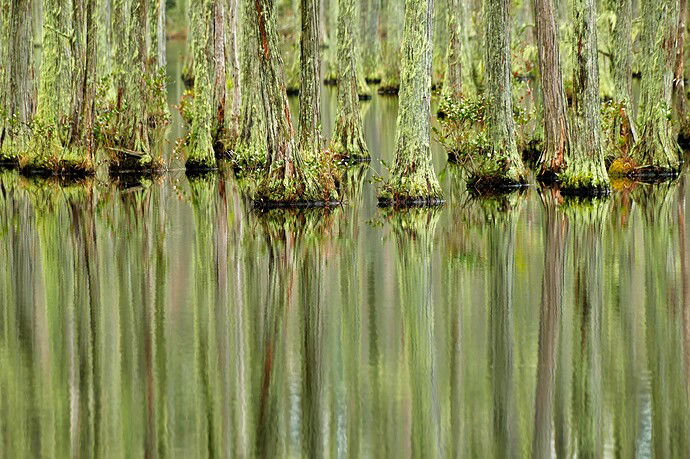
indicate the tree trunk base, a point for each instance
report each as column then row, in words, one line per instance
column 484, row 185
column 411, row 202
column 388, row 90
column 195, row 165
column 267, row 204
column 129, row 164
column 72, row 166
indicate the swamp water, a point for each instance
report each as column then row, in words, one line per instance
column 168, row 318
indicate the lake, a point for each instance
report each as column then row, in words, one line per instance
column 167, row 317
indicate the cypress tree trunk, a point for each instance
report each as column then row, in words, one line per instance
column 621, row 50
column 43, row 154
column 502, row 166
column 249, row 150
column 452, row 78
column 309, row 95
column 201, row 153
column 680, row 102
column 556, row 126
column 234, row 96
column 219, row 71
column 413, row 179
column 391, row 26
column 85, row 80
column 157, row 37
column 287, row 180
column 16, row 93
column 348, row 138
column 371, row 51
column 585, row 171
column 656, row 152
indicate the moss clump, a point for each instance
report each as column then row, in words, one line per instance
column 585, row 178
column 622, row 167
column 314, row 183
column 412, row 189
column 73, row 161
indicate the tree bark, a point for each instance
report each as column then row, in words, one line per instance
column 656, row 152
column 309, row 95
column 413, row 179
column 556, row 126
column 16, row 93
column 503, row 166
column 287, row 180
column 219, row 71
column 201, row 153
column 371, row 52
column 249, row 150
column 585, row 171
column 348, row 138
column 452, row 79
column 234, row 96
column 391, row 27
column 680, row 98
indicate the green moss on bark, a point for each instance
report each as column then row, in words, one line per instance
column 412, row 178
column 657, row 152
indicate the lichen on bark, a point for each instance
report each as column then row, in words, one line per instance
column 392, row 24
column 61, row 139
column 310, row 96
column 248, row 151
column 16, row 81
column 348, row 137
column 412, row 177
column 502, row 165
column 287, row 179
column 556, row 126
column 201, row 154
column 585, row 171
column 452, row 77
column 657, row 152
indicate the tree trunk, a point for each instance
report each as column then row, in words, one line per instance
column 556, row 126
column 371, row 51
column 348, row 138
column 287, row 180
column 413, row 179
column 656, row 152
column 45, row 145
column 157, row 36
column 309, row 95
column 680, row 98
column 16, row 93
column 452, row 78
column 391, row 27
column 249, row 150
column 585, row 171
column 201, row 153
column 234, row 96
column 219, row 72
column 503, row 166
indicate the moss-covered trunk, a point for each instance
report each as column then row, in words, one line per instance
column 201, row 153
column 249, row 149
column 157, row 33
column 219, row 73
column 656, row 152
column 412, row 178
column 585, row 171
column 371, row 51
column 556, row 126
column 680, row 101
column 348, row 138
column 232, row 66
column 621, row 49
column 391, row 37
column 452, row 78
column 16, row 79
column 84, row 80
column 309, row 95
column 286, row 180
column 502, row 165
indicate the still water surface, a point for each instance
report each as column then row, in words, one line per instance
column 168, row 318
